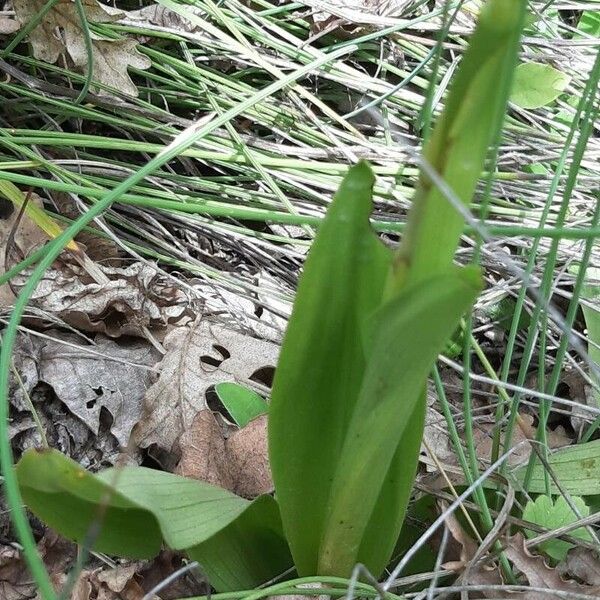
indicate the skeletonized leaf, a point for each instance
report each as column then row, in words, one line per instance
column 238, row 543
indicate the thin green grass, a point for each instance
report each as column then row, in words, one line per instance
column 274, row 150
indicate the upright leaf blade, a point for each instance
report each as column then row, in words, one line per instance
column 409, row 333
column 238, row 543
column 322, row 363
column 460, row 140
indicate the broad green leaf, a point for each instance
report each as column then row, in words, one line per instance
column 537, row 85
column 241, row 403
column 576, row 467
column 322, row 362
column 552, row 515
column 238, row 543
column 407, row 335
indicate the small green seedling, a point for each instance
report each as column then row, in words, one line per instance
column 348, row 403
column 554, row 514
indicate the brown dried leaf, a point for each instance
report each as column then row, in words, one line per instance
column 87, row 382
column 239, row 464
column 15, row 580
column 136, row 297
column 59, row 34
column 8, row 26
column 539, row 574
column 197, row 358
column 583, row 564
column 484, row 434
column 248, row 454
column 203, row 453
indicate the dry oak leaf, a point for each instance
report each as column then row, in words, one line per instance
column 86, row 382
column 198, row 357
column 239, row 463
column 539, row 574
column 583, row 564
column 135, row 297
column 60, row 34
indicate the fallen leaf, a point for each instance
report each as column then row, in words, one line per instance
column 15, row 580
column 60, row 35
column 198, row 357
column 155, row 14
column 248, row 454
column 136, row 297
column 478, row 574
column 239, row 464
column 203, row 453
column 582, row 564
column 8, row 26
column 539, row 574
column 352, row 12
column 484, row 433
column 88, row 382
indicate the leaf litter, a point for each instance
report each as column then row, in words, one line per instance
column 197, row 358
column 60, row 35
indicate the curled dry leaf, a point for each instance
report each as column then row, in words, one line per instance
column 136, row 297
column 60, row 34
column 539, row 574
column 471, row 574
column 198, row 357
column 239, row 463
column 87, row 382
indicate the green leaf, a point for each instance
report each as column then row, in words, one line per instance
column 537, row 85
column 459, row 143
column 322, row 363
column 553, row 515
column 590, row 23
column 241, row 403
column 408, row 333
column 576, row 467
column 239, row 544
column 503, row 313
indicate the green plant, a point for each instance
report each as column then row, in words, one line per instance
column 348, row 403
column 554, row 514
